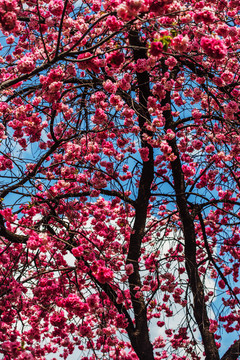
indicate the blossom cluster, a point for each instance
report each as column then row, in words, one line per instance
column 120, row 175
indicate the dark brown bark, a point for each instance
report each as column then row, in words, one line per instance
column 199, row 306
column 233, row 352
column 140, row 337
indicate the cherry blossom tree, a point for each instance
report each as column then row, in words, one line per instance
column 120, row 167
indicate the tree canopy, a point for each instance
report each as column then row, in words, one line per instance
column 119, row 182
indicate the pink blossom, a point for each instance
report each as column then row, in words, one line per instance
column 110, row 87
column 93, row 301
column 2, row 132
column 138, row 294
column 227, row 76
column 222, row 30
column 197, row 144
column 142, row 65
column 129, row 9
column 158, row 6
column 125, row 82
column 90, row 62
column 7, row 214
column 96, row 5
column 159, row 90
column 231, row 108
column 85, row 330
column 99, row 117
column 172, row 157
column 56, row 7
column 180, row 43
column 156, row 48
column 206, row 16
column 171, row 62
column 113, row 23
column 188, row 170
column 8, row 21
column 121, row 321
column 115, row 59
column 122, row 11
column 73, row 303
column 213, row 326
column 196, row 114
column 168, row 332
column 116, row 100
column 58, row 319
column 144, row 152
column 159, row 342
column 77, row 252
column 10, row 40
column 26, row 64
column 209, row 148
column 89, row 209
column 10, row 346
column 165, row 148
column 5, row 162
column 169, row 135
column 9, row 5
column 214, row 47
column 134, row 5
column 25, row 355
column 129, row 269
column 221, row 284
column 104, row 275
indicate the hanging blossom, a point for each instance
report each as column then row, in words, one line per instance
column 213, row 47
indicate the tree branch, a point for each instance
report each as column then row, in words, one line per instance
column 140, row 339
column 233, row 352
column 199, row 306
